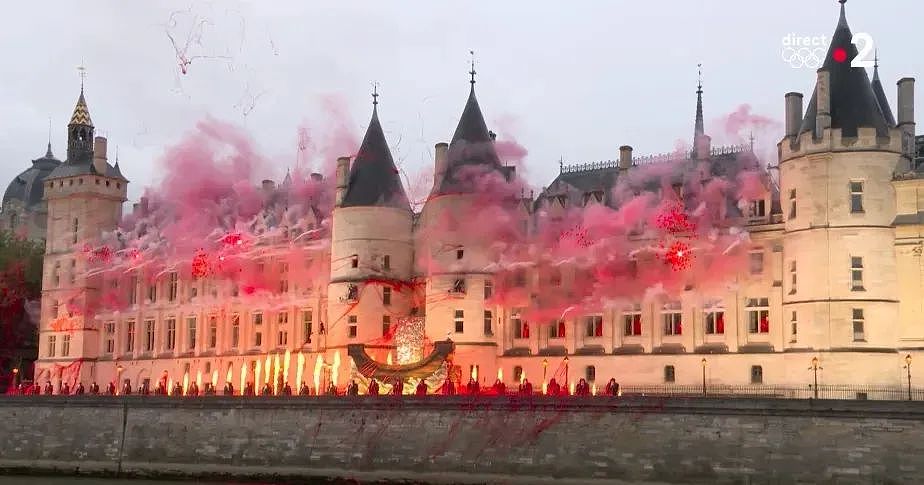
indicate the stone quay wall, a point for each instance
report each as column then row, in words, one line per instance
column 460, row 440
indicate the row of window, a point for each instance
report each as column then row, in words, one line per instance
column 855, row 188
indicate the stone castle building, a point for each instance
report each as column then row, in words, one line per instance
column 835, row 268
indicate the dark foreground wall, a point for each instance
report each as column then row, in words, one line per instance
column 456, row 441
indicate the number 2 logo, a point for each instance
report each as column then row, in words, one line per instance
column 864, row 43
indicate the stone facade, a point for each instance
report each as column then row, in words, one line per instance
column 460, row 441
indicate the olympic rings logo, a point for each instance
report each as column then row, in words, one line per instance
column 798, row 57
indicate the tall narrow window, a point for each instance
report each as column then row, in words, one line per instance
column 213, row 332
column 386, row 296
column 757, row 262
column 669, row 375
column 257, row 321
column 55, row 309
column 130, row 336
column 557, row 329
column 714, row 318
column 172, row 287
column 76, row 228
column 386, row 262
column 65, row 345
column 758, row 311
column 594, row 325
column 859, row 333
column 590, row 373
column 792, row 204
column 133, row 290
column 235, row 331
column 352, row 326
column 488, row 323
column 794, row 330
column 56, row 275
column 488, row 289
column 520, row 327
column 306, row 325
column 386, row 325
column 171, row 334
column 354, row 262
column 459, row 320
column 73, row 274
column 149, row 335
column 152, row 292
column 52, row 341
column 460, row 253
column 757, row 209
column 856, row 197
column 671, row 317
column 632, row 321
column 191, row 333
column 282, row 337
column 110, row 337
column 792, row 277
column 856, row 273
column 757, row 374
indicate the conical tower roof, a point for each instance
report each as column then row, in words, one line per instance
column 81, row 114
column 881, row 97
column 472, row 146
column 853, row 103
column 374, row 179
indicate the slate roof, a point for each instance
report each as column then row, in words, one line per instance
column 71, row 168
column 881, row 97
column 374, row 179
column 472, row 147
column 27, row 187
column 853, row 102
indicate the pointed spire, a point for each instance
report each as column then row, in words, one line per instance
column 81, row 114
column 472, row 72
column 881, row 99
column 842, row 21
column 699, row 128
column 375, row 95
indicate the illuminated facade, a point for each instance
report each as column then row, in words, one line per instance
column 833, row 271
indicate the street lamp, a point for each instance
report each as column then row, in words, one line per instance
column 908, row 368
column 15, row 376
column 119, row 370
column 814, row 368
column 704, row 375
column 566, row 372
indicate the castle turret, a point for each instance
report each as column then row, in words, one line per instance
column 835, row 174
column 371, row 247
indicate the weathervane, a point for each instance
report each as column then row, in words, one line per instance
column 375, row 93
column 472, row 72
column 83, row 74
column 699, row 76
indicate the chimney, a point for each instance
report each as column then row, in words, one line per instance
column 99, row 155
column 702, row 147
column 268, row 185
column 823, row 98
column 143, row 204
column 343, row 171
column 625, row 157
column 793, row 113
column 906, row 105
column 441, row 163
column 317, row 177
column 136, row 207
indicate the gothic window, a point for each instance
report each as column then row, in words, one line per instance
column 52, row 340
column 235, row 331
column 130, row 336
column 65, row 345
column 148, row 335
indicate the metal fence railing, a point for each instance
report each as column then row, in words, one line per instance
column 807, row 391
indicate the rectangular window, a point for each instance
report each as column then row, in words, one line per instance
column 191, row 333
column 856, row 197
column 488, row 323
column 76, row 229
column 352, row 327
column 55, row 309
column 213, row 332
column 56, row 275
column 757, row 209
column 73, row 273
column 757, row 262
column 792, row 204
column 594, row 325
column 856, row 273
column 859, row 335
column 283, row 286
column 632, row 321
column 130, row 336
column 257, row 318
column 172, row 286
column 520, row 328
column 65, row 345
column 282, row 338
column 257, row 321
column 671, row 316
column 171, row 334
column 386, row 262
column 792, row 277
column 714, row 318
column 52, row 341
column 306, row 325
column 557, row 329
column 149, row 335
column 133, row 290
column 354, row 262
column 793, row 323
column 459, row 319
column 152, row 292
column 458, row 286
column 757, row 374
column 460, row 253
column 386, row 296
column 110, row 337
column 488, row 289
column 386, row 325
column 669, row 375
column 758, row 311
column 193, row 290
column 258, row 339
column 235, row 331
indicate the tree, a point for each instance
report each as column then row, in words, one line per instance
column 20, row 288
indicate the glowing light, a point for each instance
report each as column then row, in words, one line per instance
column 593, row 389
column 388, row 359
column 299, row 370
column 335, row 371
column 678, row 255
column 318, row 365
column 409, row 340
column 267, row 368
column 230, row 376
column 571, row 389
column 523, row 376
column 500, row 374
column 233, row 239
column 674, row 220
column 243, row 377
column 474, row 372
column 276, row 370
column 839, row 54
column 214, row 378
column 545, row 387
column 170, row 386
column 285, row 367
column 185, row 383
column 199, row 380
column 256, row 374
